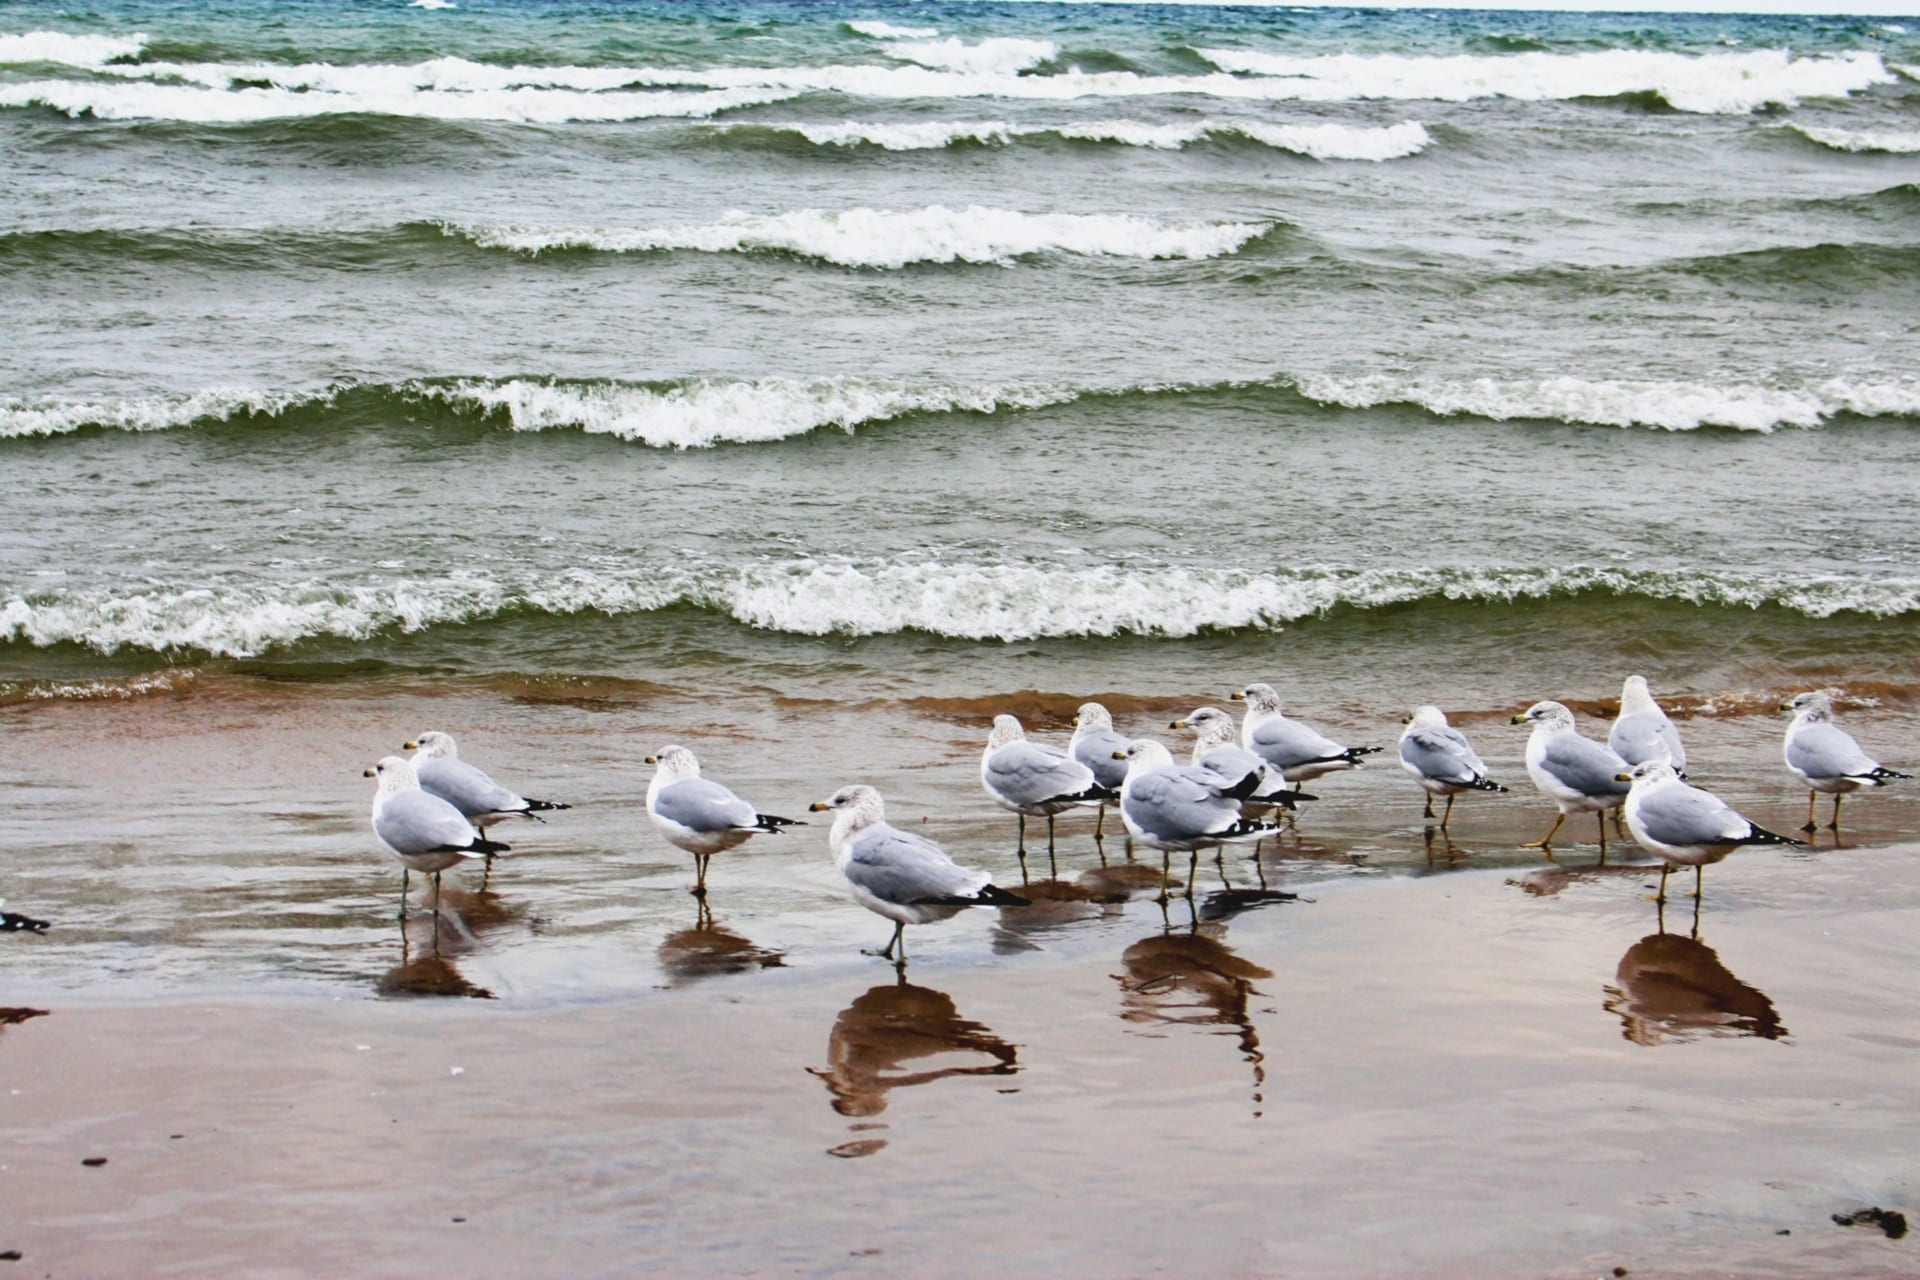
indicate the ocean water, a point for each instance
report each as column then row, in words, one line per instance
column 771, row 366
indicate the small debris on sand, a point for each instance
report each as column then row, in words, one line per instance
column 1890, row 1221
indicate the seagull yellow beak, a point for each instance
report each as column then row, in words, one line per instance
column 1238, row 695
column 818, row 806
column 1623, row 777
column 1119, row 755
column 368, row 772
column 1519, row 719
column 1786, row 706
column 651, row 760
column 1406, row 719
column 1177, row 724
column 410, row 745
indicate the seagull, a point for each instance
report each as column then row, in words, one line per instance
column 1826, row 757
column 1642, row 731
column 904, row 877
column 1684, row 825
column 1216, row 747
column 1576, row 773
column 437, row 763
column 1096, row 746
column 1183, row 808
column 1441, row 759
column 425, row 832
column 1032, row 778
column 1297, row 751
column 698, row 814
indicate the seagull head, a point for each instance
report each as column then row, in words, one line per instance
column 395, row 774
column 854, row 807
column 1427, row 717
column 1260, row 699
column 1649, row 774
column 674, row 762
column 1546, row 715
column 1212, row 725
column 1092, row 716
column 1005, row 729
column 432, row 745
column 1812, row 705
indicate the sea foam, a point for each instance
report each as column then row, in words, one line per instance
column 57, row 48
column 49, row 416
column 978, row 601
column 1671, row 406
column 1894, row 142
column 885, row 239
column 1709, row 83
column 1324, row 141
column 703, row 412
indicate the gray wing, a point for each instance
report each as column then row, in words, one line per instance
column 1233, row 764
column 1442, row 755
column 700, row 804
column 897, row 866
column 1285, row 743
column 466, row 788
column 1642, row 737
column 1585, row 766
column 415, row 822
column 1822, row 751
column 1033, row 773
column 1175, row 805
column 1687, row 815
column 1096, row 750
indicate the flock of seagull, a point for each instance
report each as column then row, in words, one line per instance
column 433, row 810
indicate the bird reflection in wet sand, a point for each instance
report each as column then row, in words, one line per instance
column 1053, row 906
column 430, row 944
column 1674, row 988
column 707, row 950
column 1191, row 978
column 889, row 1026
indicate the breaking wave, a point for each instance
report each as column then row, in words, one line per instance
column 1320, row 141
column 884, row 239
column 1893, row 142
column 978, row 602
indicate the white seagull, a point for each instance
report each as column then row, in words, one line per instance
column 1216, row 746
column 1684, row 825
column 1097, row 746
column 1642, row 732
column 1183, row 808
column 1579, row 775
column 1034, row 779
column 425, row 832
column 1441, row 759
column 698, row 814
column 1826, row 757
column 1298, row 751
column 437, row 763
column 904, row 877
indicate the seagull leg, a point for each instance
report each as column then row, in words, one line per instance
column 1099, row 824
column 1699, row 871
column 1165, row 876
column 1546, row 841
column 436, row 907
column 1666, row 869
column 403, row 892
column 1053, row 868
column 1811, row 824
column 1220, row 865
column 1193, row 867
column 1448, row 816
column 1428, row 815
column 1835, row 824
column 700, row 874
column 1022, row 818
column 886, row 952
column 1602, row 815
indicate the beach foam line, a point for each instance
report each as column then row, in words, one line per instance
column 1714, row 83
column 57, row 48
column 888, row 31
column 886, row 239
column 1324, row 141
column 695, row 413
column 979, row 602
column 999, row 56
column 1891, row 141
column 252, row 104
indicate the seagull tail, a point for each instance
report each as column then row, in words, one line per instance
column 1882, row 774
column 1760, row 835
column 486, row 848
column 1095, row 794
column 544, row 805
column 1248, row 827
column 1283, row 798
column 767, row 822
column 1244, row 789
column 1485, row 784
column 994, row 896
column 1352, row 754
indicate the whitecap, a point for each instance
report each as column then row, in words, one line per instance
column 1904, row 142
column 61, row 49
column 885, row 239
column 1671, row 406
column 1003, row 56
column 50, row 416
column 888, row 31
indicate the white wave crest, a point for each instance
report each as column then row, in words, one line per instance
column 1321, row 141
column 248, row 105
column 887, row 31
column 883, row 239
column 1911, row 73
column 1885, row 140
column 702, row 413
column 1006, row 602
column 431, row 4
column 60, row 49
column 24, row 416
column 1709, row 83
column 1672, row 406
column 1003, row 56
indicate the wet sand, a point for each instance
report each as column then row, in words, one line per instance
column 1434, row 1061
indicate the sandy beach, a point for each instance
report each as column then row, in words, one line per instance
column 1482, row 1062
